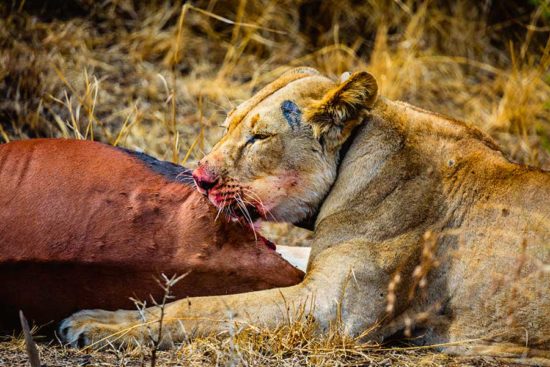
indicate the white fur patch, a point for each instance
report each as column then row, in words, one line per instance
column 345, row 76
column 297, row 256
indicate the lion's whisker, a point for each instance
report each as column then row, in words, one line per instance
column 246, row 213
column 220, row 209
column 255, row 197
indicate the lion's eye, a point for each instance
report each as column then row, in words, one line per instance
column 253, row 138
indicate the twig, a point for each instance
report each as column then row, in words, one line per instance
column 167, row 285
column 32, row 350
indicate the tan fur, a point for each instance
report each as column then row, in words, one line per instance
column 422, row 225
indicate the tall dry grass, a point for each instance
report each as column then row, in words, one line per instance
column 160, row 75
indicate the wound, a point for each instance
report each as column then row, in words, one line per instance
column 292, row 113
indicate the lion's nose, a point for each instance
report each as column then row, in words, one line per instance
column 206, row 183
column 204, row 180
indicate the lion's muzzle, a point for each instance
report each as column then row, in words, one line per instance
column 205, row 179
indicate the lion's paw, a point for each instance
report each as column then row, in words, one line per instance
column 95, row 328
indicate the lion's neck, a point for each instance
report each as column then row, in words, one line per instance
column 401, row 174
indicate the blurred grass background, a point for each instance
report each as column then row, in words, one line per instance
column 160, row 75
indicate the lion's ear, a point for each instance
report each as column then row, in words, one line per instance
column 338, row 112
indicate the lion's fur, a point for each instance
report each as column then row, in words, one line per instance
column 421, row 224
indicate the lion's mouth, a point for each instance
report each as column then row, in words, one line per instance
column 239, row 211
column 236, row 207
column 247, row 212
column 248, row 215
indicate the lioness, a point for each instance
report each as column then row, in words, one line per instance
column 421, row 222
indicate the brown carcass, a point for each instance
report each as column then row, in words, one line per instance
column 87, row 225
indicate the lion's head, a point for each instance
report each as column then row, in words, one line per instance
column 278, row 158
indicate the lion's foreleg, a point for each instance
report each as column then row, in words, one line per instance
column 347, row 283
column 188, row 318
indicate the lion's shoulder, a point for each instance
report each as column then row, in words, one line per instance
column 438, row 124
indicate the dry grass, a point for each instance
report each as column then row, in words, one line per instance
column 159, row 76
column 296, row 344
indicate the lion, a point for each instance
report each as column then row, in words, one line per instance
column 421, row 224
